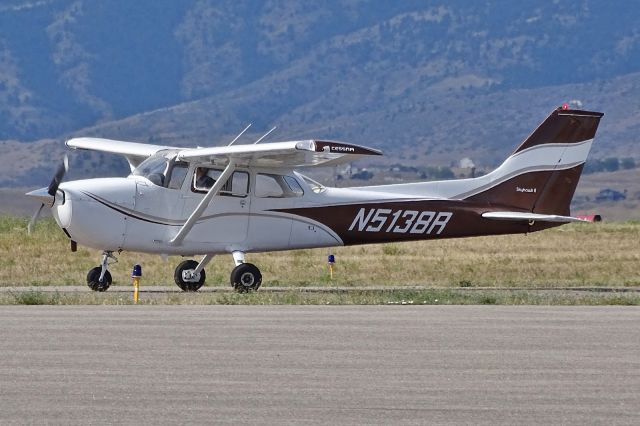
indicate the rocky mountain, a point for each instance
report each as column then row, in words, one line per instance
column 426, row 81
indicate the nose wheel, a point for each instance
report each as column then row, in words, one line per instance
column 99, row 278
column 95, row 283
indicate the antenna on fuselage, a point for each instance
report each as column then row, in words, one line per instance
column 265, row 135
column 241, row 133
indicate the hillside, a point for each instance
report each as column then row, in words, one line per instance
column 427, row 82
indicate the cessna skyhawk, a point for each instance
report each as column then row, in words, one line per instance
column 241, row 199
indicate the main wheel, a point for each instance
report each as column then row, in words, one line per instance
column 184, row 280
column 246, row 277
column 93, row 279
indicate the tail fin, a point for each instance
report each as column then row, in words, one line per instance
column 543, row 172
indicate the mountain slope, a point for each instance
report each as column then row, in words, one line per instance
column 427, row 82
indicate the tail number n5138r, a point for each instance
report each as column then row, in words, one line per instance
column 400, row 221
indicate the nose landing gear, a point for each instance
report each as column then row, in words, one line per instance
column 99, row 278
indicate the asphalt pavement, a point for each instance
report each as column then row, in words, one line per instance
column 319, row 365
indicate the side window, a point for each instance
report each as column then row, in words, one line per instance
column 268, row 187
column 202, row 180
column 236, row 186
column 178, row 173
column 277, row 186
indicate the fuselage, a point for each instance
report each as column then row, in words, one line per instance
column 265, row 210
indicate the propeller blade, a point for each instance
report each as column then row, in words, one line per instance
column 57, row 178
column 34, row 219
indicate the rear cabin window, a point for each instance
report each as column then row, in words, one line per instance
column 277, row 186
column 236, row 186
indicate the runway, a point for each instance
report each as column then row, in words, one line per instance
column 319, row 364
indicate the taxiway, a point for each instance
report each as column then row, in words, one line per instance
column 319, row 364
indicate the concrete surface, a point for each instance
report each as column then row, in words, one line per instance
column 319, row 365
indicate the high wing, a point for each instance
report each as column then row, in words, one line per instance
column 134, row 152
column 304, row 153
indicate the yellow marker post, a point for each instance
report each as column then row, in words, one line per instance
column 331, row 259
column 136, row 275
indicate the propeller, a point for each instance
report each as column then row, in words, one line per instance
column 57, row 178
column 48, row 197
column 34, row 218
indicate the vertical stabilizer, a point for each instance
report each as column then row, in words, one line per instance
column 543, row 172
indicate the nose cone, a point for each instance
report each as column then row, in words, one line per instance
column 42, row 195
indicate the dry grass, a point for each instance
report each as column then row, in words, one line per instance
column 569, row 256
column 355, row 297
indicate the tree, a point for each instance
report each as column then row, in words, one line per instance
column 611, row 164
column 628, row 163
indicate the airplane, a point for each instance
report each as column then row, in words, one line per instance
column 249, row 198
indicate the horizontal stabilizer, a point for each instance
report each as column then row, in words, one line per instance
column 531, row 217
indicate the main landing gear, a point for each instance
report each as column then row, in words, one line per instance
column 245, row 277
column 189, row 275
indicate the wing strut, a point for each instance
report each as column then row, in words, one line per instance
column 197, row 213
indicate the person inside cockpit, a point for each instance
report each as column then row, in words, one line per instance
column 203, row 181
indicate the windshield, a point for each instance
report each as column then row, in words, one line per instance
column 315, row 186
column 153, row 168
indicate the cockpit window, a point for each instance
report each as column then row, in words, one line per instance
column 153, row 168
column 294, row 186
column 178, row 173
column 315, row 186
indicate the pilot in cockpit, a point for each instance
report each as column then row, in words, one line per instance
column 203, row 181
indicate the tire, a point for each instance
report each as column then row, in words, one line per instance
column 191, row 285
column 245, row 278
column 93, row 278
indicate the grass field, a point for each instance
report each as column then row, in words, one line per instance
column 569, row 256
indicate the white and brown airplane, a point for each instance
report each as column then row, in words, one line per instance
column 243, row 199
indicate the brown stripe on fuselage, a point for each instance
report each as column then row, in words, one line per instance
column 564, row 126
column 409, row 220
